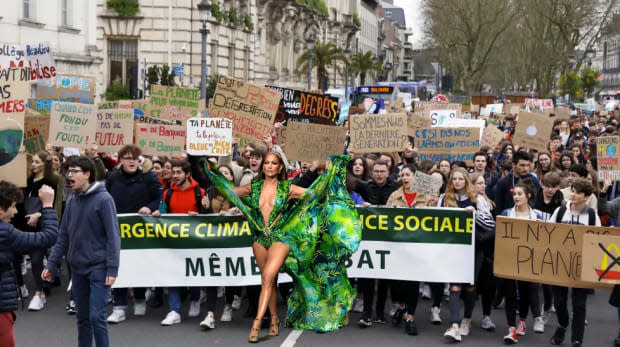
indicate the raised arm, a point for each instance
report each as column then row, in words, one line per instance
column 296, row 192
column 243, row 191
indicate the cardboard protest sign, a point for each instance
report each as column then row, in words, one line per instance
column 562, row 113
column 494, row 108
column 14, row 90
column 540, row 103
column 116, row 104
column 114, row 129
column 12, row 158
column 165, row 101
column 36, row 131
column 607, row 157
column 307, row 142
column 378, row 132
column 474, row 108
column 515, row 108
column 416, row 121
column 425, row 106
column 160, row 139
column 533, row 130
column 447, row 143
column 542, row 252
column 492, row 136
column 251, row 108
column 72, row 124
column 63, row 87
column 301, row 106
column 209, row 136
column 440, row 116
column 601, row 259
column 37, row 57
column 426, row 184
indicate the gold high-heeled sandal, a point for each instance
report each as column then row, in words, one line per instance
column 274, row 329
column 254, row 338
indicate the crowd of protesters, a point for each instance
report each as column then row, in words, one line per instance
column 68, row 210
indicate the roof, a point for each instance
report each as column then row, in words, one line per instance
column 395, row 14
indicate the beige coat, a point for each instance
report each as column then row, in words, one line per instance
column 397, row 199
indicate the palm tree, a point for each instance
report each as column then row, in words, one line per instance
column 323, row 55
column 363, row 63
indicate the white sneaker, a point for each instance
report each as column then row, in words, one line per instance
column 453, row 334
column 139, row 308
column 208, row 322
column 465, row 327
column 37, row 303
column 220, row 292
column 435, row 318
column 539, row 325
column 358, row 305
column 236, row 304
column 487, row 323
column 24, row 290
column 227, row 314
column 194, row 309
column 426, row 292
column 117, row 316
column 171, row 318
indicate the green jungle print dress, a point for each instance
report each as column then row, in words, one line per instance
column 322, row 229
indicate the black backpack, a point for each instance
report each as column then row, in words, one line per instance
column 197, row 196
column 591, row 215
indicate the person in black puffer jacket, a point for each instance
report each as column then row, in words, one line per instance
column 13, row 240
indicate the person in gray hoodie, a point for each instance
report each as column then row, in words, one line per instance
column 90, row 239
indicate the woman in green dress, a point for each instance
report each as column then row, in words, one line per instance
column 311, row 238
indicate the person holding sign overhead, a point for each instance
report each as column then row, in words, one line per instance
column 284, row 231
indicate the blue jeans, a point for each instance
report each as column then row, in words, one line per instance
column 120, row 297
column 174, row 297
column 91, row 297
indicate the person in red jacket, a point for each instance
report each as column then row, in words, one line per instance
column 184, row 196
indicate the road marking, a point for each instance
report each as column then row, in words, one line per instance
column 291, row 338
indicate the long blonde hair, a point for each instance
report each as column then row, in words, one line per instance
column 470, row 190
column 474, row 176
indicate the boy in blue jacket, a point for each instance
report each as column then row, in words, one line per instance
column 90, row 239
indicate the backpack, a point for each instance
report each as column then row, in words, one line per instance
column 591, row 215
column 197, row 196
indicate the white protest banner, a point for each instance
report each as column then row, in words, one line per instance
column 114, row 129
column 72, row 124
column 426, row 184
column 441, row 116
column 539, row 103
column 216, row 250
column 209, row 136
column 37, row 57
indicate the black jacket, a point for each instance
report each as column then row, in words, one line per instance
column 503, row 190
column 13, row 240
column 374, row 194
column 132, row 192
column 548, row 209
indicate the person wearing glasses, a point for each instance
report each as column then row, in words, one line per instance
column 89, row 237
column 133, row 191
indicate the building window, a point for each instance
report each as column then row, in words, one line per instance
column 231, row 61
column 214, row 57
column 65, row 12
column 123, row 58
column 28, row 9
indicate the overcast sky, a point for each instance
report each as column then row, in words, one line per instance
column 413, row 17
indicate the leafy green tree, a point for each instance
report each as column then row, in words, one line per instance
column 117, row 91
column 589, row 80
column 160, row 75
column 362, row 64
column 211, row 85
column 323, row 56
column 570, row 83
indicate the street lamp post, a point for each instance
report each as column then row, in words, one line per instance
column 310, row 42
column 346, row 76
column 204, row 8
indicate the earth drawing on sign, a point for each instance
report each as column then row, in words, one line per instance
column 11, row 139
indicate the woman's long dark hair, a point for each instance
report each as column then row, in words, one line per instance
column 365, row 176
column 281, row 175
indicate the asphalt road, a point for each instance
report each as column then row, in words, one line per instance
column 54, row 327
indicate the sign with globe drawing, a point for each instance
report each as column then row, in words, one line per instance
column 607, row 157
column 533, row 130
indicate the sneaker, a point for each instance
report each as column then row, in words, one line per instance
column 171, row 318
column 37, row 303
column 397, row 317
column 453, row 334
column 208, row 322
column 511, row 338
column 358, row 305
column 365, row 322
column 117, row 316
column 521, row 327
column 380, row 319
column 547, row 314
column 236, row 304
column 227, row 314
column 499, row 303
column 435, row 318
column 139, row 308
column 426, row 292
column 465, row 327
column 539, row 325
column 70, row 308
column 24, row 291
column 487, row 323
column 194, row 309
column 576, row 344
column 410, row 328
column 558, row 336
